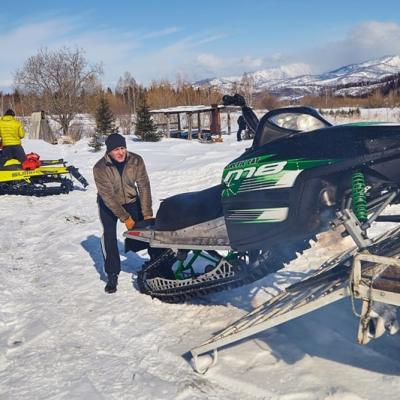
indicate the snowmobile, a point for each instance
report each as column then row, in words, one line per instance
column 35, row 177
column 301, row 176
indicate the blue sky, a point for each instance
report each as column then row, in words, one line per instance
column 199, row 39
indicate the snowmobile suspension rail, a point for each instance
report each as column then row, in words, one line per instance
column 261, row 319
column 331, row 282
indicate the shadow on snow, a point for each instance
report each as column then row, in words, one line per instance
column 130, row 262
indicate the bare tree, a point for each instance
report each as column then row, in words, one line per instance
column 61, row 78
column 265, row 100
column 247, row 87
column 129, row 90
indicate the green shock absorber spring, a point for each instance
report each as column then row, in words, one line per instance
column 359, row 198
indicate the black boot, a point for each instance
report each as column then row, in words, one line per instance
column 112, row 283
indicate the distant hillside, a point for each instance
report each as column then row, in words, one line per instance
column 295, row 80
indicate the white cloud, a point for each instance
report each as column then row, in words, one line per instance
column 277, row 57
column 251, row 62
column 118, row 50
column 208, row 39
column 365, row 41
column 210, row 61
column 21, row 42
column 194, row 56
column 179, row 58
column 164, row 32
column 370, row 34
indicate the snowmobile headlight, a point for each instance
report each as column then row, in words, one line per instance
column 297, row 122
column 308, row 123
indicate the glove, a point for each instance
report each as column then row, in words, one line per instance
column 129, row 223
column 148, row 217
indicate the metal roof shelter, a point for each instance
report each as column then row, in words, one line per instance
column 214, row 117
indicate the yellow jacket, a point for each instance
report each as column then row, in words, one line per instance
column 11, row 131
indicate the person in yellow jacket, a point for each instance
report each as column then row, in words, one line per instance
column 11, row 133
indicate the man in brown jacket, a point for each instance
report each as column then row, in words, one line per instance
column 123, row 193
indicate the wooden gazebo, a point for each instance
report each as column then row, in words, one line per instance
column 172, row 116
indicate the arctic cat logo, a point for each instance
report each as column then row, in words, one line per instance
column 266, row 169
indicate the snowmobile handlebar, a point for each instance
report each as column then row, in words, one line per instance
column 236, row 100
column 248, row 114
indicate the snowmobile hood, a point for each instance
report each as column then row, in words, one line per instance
column 372, row 123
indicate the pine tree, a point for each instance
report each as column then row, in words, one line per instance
column 105, row 124
column 96, row 143
column 145, row 128
column 105, row 121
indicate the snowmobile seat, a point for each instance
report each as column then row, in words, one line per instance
column 187, row 209
column 10, row 164
column 145, row 224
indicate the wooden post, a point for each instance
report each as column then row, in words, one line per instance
column 199, row 133
column 178, row 115
column 228, row 113
column 215, row 121
column 189, row 117
column 168, row 127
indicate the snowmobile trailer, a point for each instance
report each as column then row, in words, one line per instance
column 290, row 185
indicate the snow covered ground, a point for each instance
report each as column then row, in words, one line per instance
column 62, row 337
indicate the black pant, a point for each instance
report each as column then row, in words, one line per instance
column 239, row 134
column 112, row 262
column 16, row 152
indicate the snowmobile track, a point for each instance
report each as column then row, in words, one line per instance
column 243, row 275
column 385, row 245
column 38, row 190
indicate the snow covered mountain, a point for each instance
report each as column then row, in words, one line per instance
column 296, row 80
column 260, row 78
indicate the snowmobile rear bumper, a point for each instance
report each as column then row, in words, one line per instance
column 210, row 235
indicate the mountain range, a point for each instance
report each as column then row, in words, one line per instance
column 295, row 80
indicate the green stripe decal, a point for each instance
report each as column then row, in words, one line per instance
column 261, row 173
column 258, row 215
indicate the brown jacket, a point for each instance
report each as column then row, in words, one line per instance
column 116, row 190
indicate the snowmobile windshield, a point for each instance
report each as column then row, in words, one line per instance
column 284, row 122
column 297, row 122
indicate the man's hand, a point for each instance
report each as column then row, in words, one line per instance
column 129, row 223
column 148, row 217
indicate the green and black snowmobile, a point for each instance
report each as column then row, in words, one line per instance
column 35, row 177
column 300, row 176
